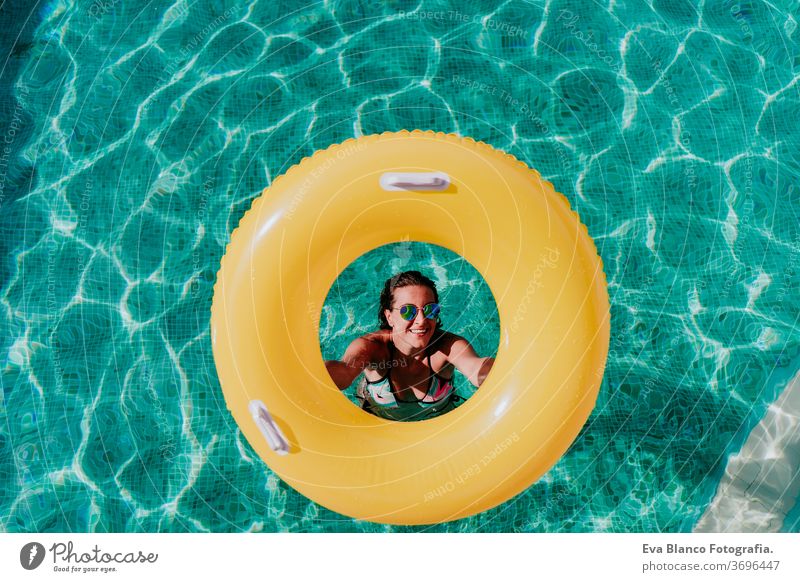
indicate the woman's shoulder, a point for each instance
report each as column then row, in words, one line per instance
column 366, row 350
column 373, row 343
column 443, row 341
column 380, row 337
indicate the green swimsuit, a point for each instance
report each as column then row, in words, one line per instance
column 378, row 397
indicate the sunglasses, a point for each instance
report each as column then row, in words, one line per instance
column 409, row 311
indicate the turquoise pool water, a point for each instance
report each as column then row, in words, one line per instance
column 135, row 135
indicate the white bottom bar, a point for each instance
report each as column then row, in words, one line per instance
column 355, row 557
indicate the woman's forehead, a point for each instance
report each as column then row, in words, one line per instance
column 416, row 294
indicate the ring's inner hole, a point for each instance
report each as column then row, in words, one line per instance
column 411, row 362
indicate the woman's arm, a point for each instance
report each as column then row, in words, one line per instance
column 358, row 355
column 463, row 357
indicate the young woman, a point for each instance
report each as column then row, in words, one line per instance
column 408, row 363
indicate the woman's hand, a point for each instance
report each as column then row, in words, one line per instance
column 462, row 355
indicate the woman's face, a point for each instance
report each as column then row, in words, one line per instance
column 417, row 332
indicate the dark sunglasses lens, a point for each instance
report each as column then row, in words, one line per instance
column 408, row 312
column 431, row 310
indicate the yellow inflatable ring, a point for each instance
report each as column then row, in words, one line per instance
column 485, row 205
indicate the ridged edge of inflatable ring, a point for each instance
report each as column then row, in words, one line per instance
column 439, row 135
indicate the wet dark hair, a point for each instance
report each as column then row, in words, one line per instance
column 404, row 279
